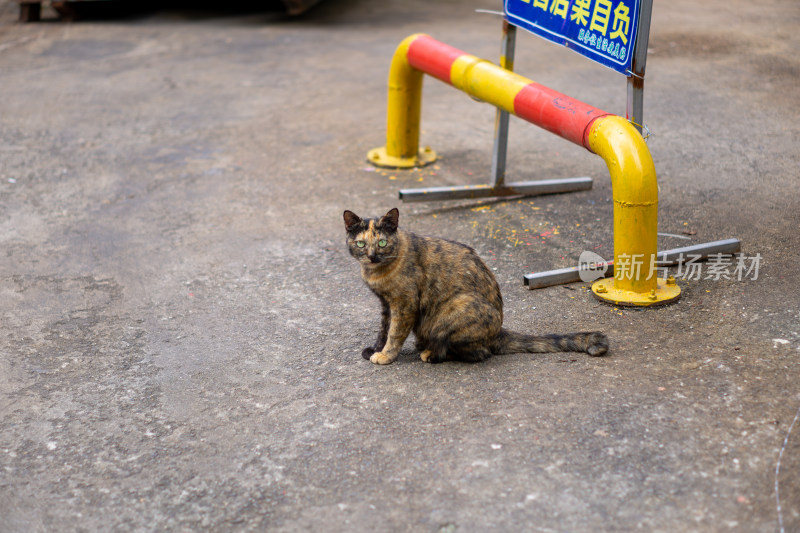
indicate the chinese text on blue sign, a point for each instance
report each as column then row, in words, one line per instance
column 602, row 30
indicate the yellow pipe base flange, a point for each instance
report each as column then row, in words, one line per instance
column 666, row 291
column 380, row 158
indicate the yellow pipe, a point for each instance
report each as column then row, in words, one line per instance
column 487, row 82
column 635, row 193
column 403, row 115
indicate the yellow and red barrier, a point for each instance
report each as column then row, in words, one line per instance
column 633, row 175
column 531, row 101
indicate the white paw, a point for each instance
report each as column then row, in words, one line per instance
column 380, row 359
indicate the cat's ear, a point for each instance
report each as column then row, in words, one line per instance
column 351, row 220
column 389, row 220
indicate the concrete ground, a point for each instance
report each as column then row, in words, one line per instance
column 181, row 325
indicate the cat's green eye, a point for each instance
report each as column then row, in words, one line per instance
column 361, row 244
column 382, row 243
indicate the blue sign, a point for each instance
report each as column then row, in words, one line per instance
column 602, row 30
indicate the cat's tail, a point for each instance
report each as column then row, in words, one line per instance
column 593, row 343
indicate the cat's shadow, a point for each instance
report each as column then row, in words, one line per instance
column 411, row 356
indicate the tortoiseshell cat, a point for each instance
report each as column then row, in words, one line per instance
column 445, row 294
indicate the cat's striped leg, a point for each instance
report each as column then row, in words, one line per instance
column 383, row 334
column 400, row 323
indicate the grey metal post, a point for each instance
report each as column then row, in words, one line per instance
column 501, row 118
column 499, row 187
column 635, row 105
column 539, row 280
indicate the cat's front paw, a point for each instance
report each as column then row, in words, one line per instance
column 380, row 359
column 367, row 353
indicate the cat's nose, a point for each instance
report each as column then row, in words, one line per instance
column 374, row 258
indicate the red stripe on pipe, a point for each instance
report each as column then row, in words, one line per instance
column 433, row 57
column 556, row 112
